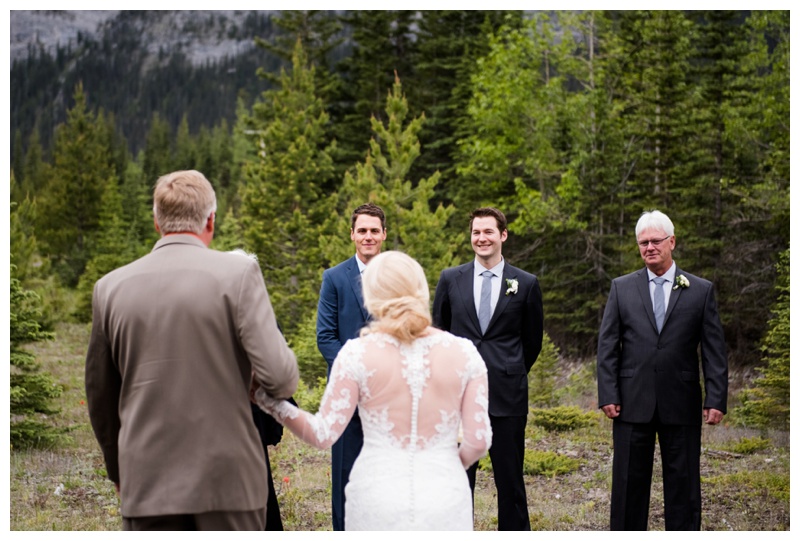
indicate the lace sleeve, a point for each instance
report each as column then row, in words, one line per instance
column 336, row 408
column 475, row 409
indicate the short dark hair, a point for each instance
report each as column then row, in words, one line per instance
column 483, row 212
column 370, row 209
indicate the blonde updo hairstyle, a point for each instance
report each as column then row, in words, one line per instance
column 396, row 294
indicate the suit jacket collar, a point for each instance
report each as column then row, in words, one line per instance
column 643, row 283
column 354, row 277
column 465, row 282
column 168, row 240
column 509, row 273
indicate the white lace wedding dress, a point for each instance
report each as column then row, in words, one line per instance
column 412, row 399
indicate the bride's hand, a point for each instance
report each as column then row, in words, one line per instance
column 263, row 400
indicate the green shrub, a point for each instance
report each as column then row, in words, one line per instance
column 31, row 391
column 562, row 418
column 539, row 463
column 304, row 344
column 748, row 446
column 485, row 463
column 748, row 485
column 543, row 376
column 548, row 463
column 309, row 397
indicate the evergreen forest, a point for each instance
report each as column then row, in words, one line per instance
column 572, row 123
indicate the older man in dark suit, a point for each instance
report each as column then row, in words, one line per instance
column 179, row 338
column 499, row 308
column 340, row 316
column 648, row 377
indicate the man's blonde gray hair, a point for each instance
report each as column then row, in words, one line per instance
column 183, row 201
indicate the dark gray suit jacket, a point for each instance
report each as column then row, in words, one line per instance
column 513, row 338
column 642, row 370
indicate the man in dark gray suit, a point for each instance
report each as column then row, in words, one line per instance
column 648, row 378
column 499, row 308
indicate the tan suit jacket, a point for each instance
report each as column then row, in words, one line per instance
column 175, row 338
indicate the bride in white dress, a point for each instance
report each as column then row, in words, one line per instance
column 423, row 400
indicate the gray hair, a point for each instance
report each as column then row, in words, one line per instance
column 183, row 201
column 655, row 219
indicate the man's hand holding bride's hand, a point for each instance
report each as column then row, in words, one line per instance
column 260, row 397
column 254, row 385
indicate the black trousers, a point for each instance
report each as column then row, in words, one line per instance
column 634, row 448
column 507, row 453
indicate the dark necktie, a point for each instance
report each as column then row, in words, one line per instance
column 658, row 302
column 485, row 306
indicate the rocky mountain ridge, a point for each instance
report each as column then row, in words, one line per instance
column 201, row 35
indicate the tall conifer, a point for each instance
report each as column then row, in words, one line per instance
column 281, row 210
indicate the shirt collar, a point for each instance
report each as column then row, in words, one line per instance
column 497, row 270
column 669, row 275
column 361, row 264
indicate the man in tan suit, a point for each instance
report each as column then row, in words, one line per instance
column 179, row 339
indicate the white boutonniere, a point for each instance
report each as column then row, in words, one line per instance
column 513, row 286
column 681, row 281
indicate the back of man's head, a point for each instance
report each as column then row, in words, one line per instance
column 183, row 201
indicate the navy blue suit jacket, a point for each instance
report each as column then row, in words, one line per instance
column 340, row 312
column 513, row 338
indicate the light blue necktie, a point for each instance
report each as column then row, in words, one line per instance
column 485, row 306
column 658, row 302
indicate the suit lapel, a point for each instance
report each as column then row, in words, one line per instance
column 355, row 282
column 465, row 283
column 643, row 284
column 509, row 273
column 674, row 295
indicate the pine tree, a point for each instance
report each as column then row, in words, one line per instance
column 320, row 33
column 383, row 178
column 137, row 207
column 513, row 118
column 158, row 150
column 383, row 44
column 23, row 243
column 115, row 245
column 766, row 403
column 70, row 206
column 17, row 167
column 281, row 210
column 184, row 149
column 31, row 390
column 449, row 42
column 35, row 169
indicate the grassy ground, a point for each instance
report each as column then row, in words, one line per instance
column 745, row 487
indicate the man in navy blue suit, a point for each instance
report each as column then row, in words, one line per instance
column 499, row 308
column 340, row 317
